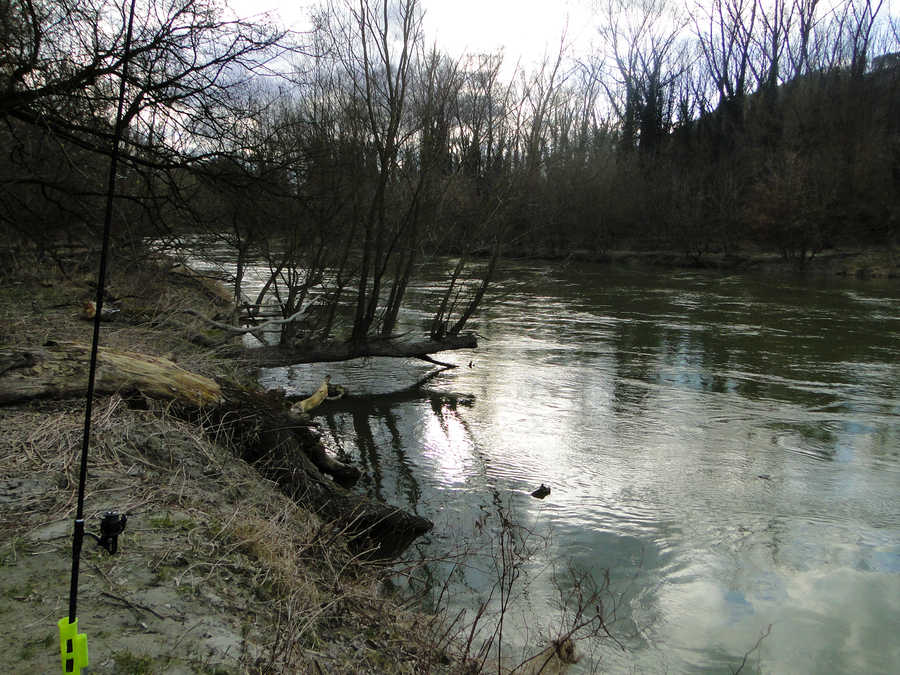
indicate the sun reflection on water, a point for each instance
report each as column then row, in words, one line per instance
column 448, row 444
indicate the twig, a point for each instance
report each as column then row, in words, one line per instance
column 241, row 330
column 134, row 605
column 753, row 649
column 428, row 359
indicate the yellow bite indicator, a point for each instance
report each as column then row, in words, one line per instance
column 73, row 647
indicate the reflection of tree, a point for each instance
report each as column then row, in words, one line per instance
column 634, row 345
column 366, row 414
column 368, row 453
column 405, row 478
column 812, row 438
column 380, row 403
column 468, row 542
column 775, row 530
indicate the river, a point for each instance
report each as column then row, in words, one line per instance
column 726, row 447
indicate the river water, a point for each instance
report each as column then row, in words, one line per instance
column 726, row 447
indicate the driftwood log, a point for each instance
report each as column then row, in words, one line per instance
column 271, row 357
column 60, row 370
column 314, row 401
column 283, row 446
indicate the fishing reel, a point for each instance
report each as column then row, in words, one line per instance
column 111, row 526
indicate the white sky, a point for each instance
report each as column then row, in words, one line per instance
column 525, row 29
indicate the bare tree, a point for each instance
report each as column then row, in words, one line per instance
column 801, row 41
column 724, row 31
column 187, row 62
column 856, row 22
column 186, row 102
column 770, row 42
column 644, row 43
column 376, row 43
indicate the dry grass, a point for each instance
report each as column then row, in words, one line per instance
column 202, row 521
column 46, row 305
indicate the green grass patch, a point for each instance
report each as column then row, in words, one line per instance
column 134, row 664
column 167, row 522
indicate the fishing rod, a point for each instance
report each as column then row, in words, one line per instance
column 73, row 645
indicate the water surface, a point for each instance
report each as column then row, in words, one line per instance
column 727, row 447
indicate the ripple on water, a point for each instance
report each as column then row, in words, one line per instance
column 805, row 447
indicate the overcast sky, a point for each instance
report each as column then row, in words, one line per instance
column 523, row 28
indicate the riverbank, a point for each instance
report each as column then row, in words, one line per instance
column 859, row 263
column 217, row 570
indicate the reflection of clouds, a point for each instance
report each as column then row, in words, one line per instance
column 706, row 616
column 652, row 417
column 851, row 607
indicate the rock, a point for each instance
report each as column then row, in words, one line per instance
column 541, row 492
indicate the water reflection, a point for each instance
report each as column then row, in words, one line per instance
column 407, row 484
column 447, row 442
column 728, row 448
column 368, row 452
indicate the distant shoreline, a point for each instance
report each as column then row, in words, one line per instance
column 858, row 263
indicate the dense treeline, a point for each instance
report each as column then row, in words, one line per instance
column 766, row 123
column 347, row 155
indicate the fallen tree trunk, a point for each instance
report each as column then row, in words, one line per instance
column 262, row 430
column 270, row 357
column 60, row 370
